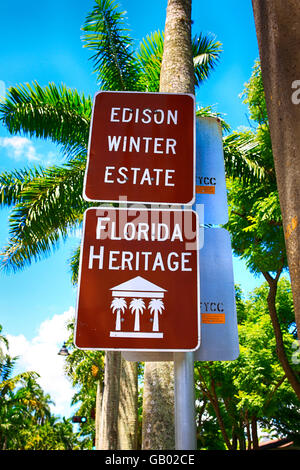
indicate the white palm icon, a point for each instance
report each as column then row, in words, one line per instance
column 156, row 306
column 137, row 306
column 119, row 305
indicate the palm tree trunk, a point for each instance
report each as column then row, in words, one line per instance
column 128, row 406
column 177, row 69
column 177, row 76
column 108, row 439
column 278, row 32
column 99, row 396
column 158, row 407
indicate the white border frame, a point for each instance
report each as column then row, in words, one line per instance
column 198, row 282
column 143, row 202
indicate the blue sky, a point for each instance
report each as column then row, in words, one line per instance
column 42, row 42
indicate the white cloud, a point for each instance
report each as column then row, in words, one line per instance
column 19, row 148
column 41, row 355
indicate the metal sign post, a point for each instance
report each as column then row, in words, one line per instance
column 140, row 276
column 185, row 420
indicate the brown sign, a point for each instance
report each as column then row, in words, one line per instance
column 142, row 148
column 138, row 283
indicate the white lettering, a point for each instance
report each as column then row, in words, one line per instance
column 99, row 257
column 171, row 143
column 146, row 255
column 146, row 177
column 162, row 116
column 127, row 235
column 141, row 144
column 100, row 226
column 122, row 175
column 172, row 117
column 177, row 233
column 127, row 257
column 172, row 266
column 158, row 262
column 121, row 172
column 148, row 116
column 143, row 228
column 160, row 236
column 146, row 260
column 113, row 143
column 135, row 170
column 168, row 177
column 112, row 259
column 113, row 235
column 108, row 173
column 147, row 140
column 158, row 144
column 129, row 115
column 112, row 115
column 134, row 143
column 184, row 261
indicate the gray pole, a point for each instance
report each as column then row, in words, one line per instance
column 185, row 424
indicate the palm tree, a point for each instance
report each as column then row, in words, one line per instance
column 119, row 305
column 63, row 116
column 137, row 306
column 156, row 306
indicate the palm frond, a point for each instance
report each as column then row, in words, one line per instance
column 206, row 52
column 55, row 113
column 106, row 33
column 150, row 56
column 242, row 157
column 12, row 184
column 48, row 207
column 74, row 265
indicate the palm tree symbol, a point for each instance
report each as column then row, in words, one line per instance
column 119, row 305
column 156, row 306
column 137, row 306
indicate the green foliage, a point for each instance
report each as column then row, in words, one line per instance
column 26, row 422
column 206, row 52
column 150, row 56
column 255, row 221
column 51, row 112
column 106, row 34
column 255, row 225
column 254, row 386
column 39, row 196
column 254, row 96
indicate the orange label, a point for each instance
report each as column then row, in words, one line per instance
column 213, row 317
column 205, row 189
